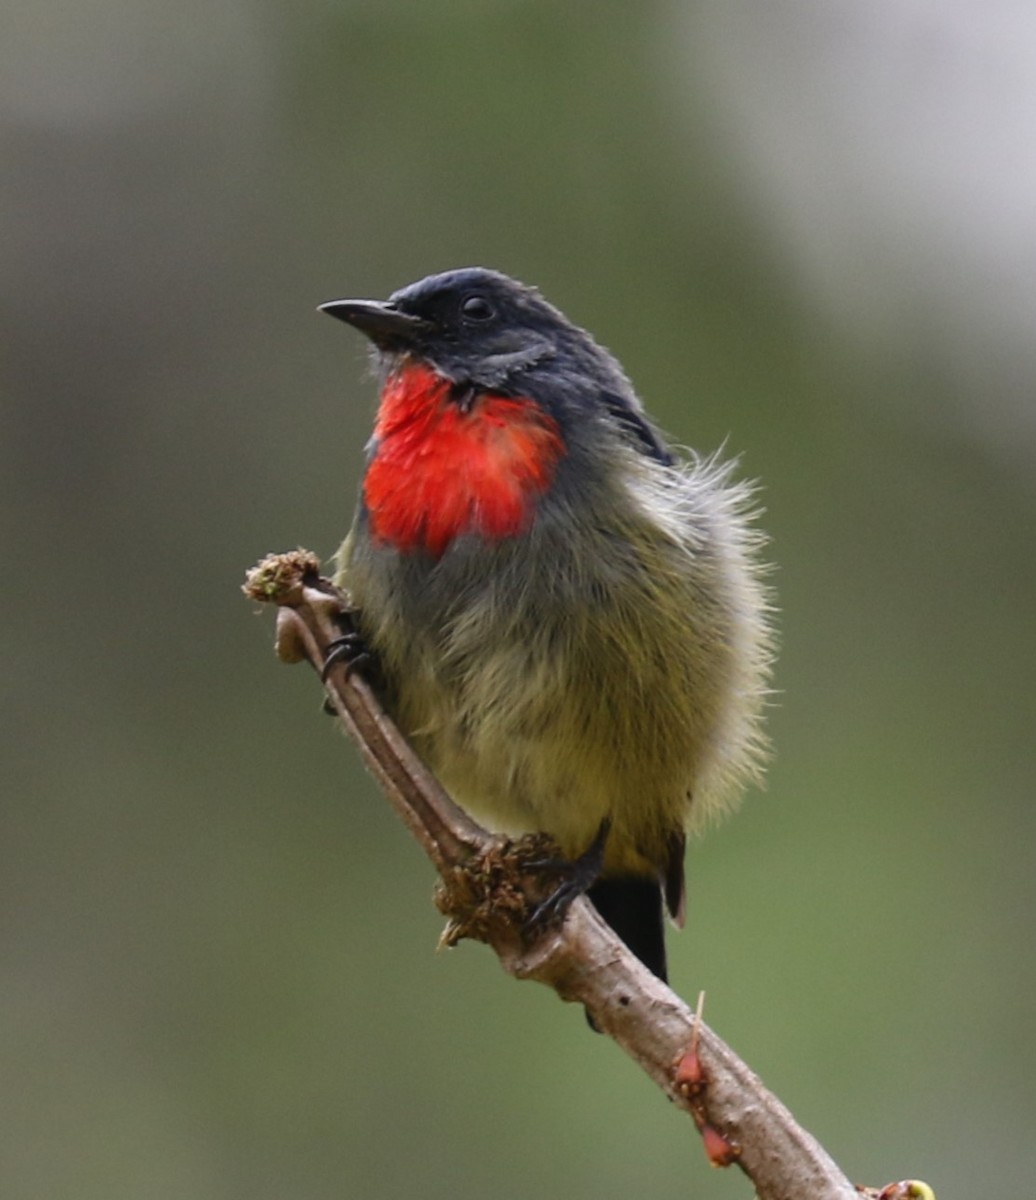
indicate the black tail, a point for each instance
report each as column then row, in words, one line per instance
column 632, row 906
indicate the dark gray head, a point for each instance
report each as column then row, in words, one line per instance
column 480, row 327
column 476, row 326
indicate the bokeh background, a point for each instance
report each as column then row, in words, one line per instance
column 808, row 229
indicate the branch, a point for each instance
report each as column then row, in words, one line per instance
column 488, row 889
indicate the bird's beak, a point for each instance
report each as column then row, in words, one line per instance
column 380, row 320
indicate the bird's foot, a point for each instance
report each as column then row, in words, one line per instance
column 574, row 878
column 350, row 650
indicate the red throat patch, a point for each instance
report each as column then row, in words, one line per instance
column 443, row 468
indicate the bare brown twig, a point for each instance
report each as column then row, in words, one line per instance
column 486, row 893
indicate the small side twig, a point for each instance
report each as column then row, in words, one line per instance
column 487, row 893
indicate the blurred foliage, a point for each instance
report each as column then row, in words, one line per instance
column 218, row 967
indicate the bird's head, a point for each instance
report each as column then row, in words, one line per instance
column 473, row 326
column 483, row 377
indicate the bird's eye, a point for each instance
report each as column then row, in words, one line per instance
column 477, row 308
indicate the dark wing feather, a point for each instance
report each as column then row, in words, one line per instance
column 637, row 428
column 675, row 885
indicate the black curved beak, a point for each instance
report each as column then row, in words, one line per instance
column 380, row 320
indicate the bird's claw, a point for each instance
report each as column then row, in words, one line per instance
column 349, row 649
column 575, row 878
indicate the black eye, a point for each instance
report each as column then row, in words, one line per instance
column 477, row 308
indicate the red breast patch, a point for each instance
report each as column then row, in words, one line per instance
column 443, row 468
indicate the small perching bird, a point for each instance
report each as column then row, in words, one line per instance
column 568, row 619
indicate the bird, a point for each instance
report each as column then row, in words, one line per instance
column 569, row 617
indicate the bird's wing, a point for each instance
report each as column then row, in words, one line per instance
column 637, row 428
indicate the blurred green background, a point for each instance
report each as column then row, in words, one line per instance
column 809, row 230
